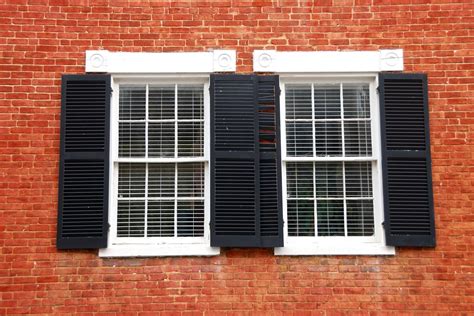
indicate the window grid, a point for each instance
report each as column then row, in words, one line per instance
column 197, row 161
column 342, row 159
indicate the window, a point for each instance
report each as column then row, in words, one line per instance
column 160, row 166
column 331, row 166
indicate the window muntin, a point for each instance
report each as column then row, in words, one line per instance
column 329, row 160
column 161, row 165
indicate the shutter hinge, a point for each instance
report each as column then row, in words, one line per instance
column 378, row 90
column 383, row 225
column 108, row 227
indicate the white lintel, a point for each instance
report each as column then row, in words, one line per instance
column 328, row 61
column 169, row 63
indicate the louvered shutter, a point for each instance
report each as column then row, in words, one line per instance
column 406, row 161
column 245, row 194
column 84, row 165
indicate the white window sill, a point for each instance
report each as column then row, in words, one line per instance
column 329, row 248
column 156, row 250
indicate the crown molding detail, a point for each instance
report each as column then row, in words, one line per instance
column 328, row 61
column 172, row 63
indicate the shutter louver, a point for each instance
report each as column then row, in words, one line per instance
column 83, row 179
column 245, row 199
column 406, row 161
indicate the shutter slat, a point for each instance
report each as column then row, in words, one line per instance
column 84, row 169
column 245, row 168
column 406, row 161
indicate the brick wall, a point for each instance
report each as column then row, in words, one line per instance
column 41, row 39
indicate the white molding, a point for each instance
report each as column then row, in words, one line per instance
column 328, row 61
column 330, row 248
column 162, row 250
column 160, row 63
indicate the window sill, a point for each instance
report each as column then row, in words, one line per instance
column 329, row 248
column 154, row 250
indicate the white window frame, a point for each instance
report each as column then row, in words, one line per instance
column 337, row 245
column 157, row 246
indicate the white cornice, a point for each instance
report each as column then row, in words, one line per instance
column 150, row 63
column 328, row 61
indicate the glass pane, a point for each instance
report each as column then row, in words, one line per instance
column 300, row 217
column 360, row 218
column 327, row 101
column 299, row 139
column 191, row 218
column 161, row 102
column 132, row 101
column 191, row 179
column 329, row 183
column 298, row 102
column 190, row 102
column 161, row 180
column 356, row 101
column 358, row 138
column 330, row 218
column 130, row 218
column 328, row 139
column 131, row 181
column 131, row 139
column 358, row 179
column 299, row 179
column 161, row 139
column 190, row 139
column 160, row 219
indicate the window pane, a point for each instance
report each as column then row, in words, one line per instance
column 298, row 102
column 190, row 102
column 131, row 181
column 328, row 139
column 299, row 180
column 132, row 101
column 300, row 217
column 330, row 218
column 329, row 183
column 356, row 101
column 161, row 102
column 191, row 218
column 358, row 179
column 160, row 219
column 191, row 179
column 161, row 180
column 360, row 218
column 161, row 139
column 131, row 139
column 299, row 139
column 327, row 101
column 357, row 137
column 130, row 218
column 190, row 139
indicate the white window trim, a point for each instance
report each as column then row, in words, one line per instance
column 328, row 61
column 337, row 245
column 160, row 63
column 157, row 246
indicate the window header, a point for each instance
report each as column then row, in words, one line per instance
column 328, row 61
column 154, row 63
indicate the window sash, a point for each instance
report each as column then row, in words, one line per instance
column 114, row 154
column 374, row 158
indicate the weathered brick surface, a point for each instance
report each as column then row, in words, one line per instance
column 41, row 39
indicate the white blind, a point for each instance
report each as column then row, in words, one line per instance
column 160, row 199
column 329, row 198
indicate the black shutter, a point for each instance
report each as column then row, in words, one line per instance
column 271, row 217
column 245, row 199
column 406, row 161
column 84, row 165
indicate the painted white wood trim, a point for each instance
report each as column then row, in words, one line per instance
column 160, row 63
column 328, row 61
column 131, row 250
column 332, row 248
